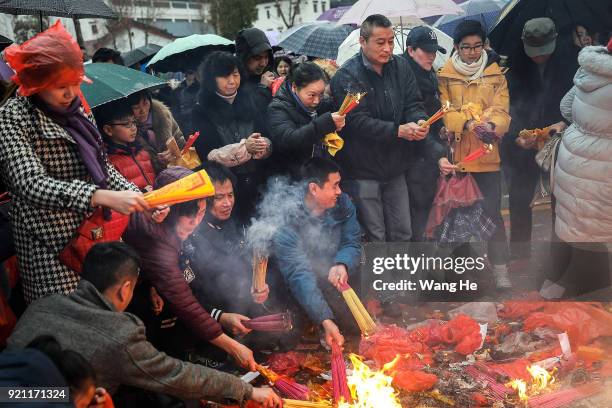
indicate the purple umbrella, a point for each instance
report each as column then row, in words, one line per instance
column 333, row 14
column 5, row 71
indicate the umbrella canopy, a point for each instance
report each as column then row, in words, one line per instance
column 317, row 39
column 506, row 35
column 398, row 8
column 140, row 54
column 58, row 8
column 111, row 82
column 4, row 42
column 333, row 14
column 188, row 52
column 273, row 36
column 351, row 46
column 485, row 11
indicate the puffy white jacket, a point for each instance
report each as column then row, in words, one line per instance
column 583, row 173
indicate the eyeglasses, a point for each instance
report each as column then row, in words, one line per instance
column 467, row 48
column 128, row 125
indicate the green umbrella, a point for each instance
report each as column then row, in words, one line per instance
column 111, row 82
column 187, row 52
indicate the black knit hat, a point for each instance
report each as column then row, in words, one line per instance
column 469, row 27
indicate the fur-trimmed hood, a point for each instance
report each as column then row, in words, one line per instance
column 164, row 126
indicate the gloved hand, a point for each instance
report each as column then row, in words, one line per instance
column 485, row 132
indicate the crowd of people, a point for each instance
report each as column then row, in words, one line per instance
column 151, row 320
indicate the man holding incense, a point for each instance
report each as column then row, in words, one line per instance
column 319, row 247
column 379, row 133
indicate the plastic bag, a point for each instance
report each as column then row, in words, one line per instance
column 50, row 59
column 414, row 381
column 583, row 321
column 483, row 312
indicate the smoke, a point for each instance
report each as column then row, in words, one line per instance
column 282, row 201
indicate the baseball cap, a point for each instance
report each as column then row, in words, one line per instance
column 424, row 38
column 539, row 37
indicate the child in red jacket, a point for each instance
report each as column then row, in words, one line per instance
column 134, row 160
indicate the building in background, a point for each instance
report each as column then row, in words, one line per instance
column 284, row 14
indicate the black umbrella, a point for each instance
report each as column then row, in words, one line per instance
column 58, row 8
column 140, row 55
column 4, row 42
column 566, row 14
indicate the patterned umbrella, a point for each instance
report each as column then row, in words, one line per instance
column 485, row 11
column 318, row 39
column 58, row 8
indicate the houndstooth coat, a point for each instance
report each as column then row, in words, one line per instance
column 51, row 193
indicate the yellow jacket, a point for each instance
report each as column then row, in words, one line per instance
column 490, row 92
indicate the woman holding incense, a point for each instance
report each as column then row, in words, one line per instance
column 299, row 119
column 233, row 131
column 474, row 84
column 52, row 160
column 184, row 322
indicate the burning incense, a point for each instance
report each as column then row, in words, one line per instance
column 190, row 142
column 192, row 187
column 289, row 403
column 351, row 100
column 484, row 149
column 279, row 322
column 361, row 315
column 436, row 116
column 340, row 388
column 286, row 387
column 260, row 267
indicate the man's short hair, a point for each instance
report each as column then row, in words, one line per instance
column 373, row 21
column 107, row 54
column 218, row 173
column 109, row 263
column 317, row 170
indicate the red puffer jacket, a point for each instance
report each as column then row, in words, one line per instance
column 134, row 163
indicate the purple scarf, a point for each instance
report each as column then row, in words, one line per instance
column 84, row 133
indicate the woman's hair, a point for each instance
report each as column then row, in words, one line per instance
column 134, row 99
column 217, row 64
column 284, row 58
column 305, row 73
column 467, row 28
column 77, row 371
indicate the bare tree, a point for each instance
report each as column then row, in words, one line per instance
column 124, row 9
column 293, row 10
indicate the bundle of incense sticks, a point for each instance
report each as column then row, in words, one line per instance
column 564, row 398
column 279, row 322
column 340, row 390
column 499, row 391
column 192, row 187
column 190, row 142
column 286, row 387
column 484, row 149
column 260, row 267
column 437, row 116
column 351, row 100
column 289, row 403
column 361, row 315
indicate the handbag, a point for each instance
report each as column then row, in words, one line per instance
column 94, row 229
column 546, row 157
